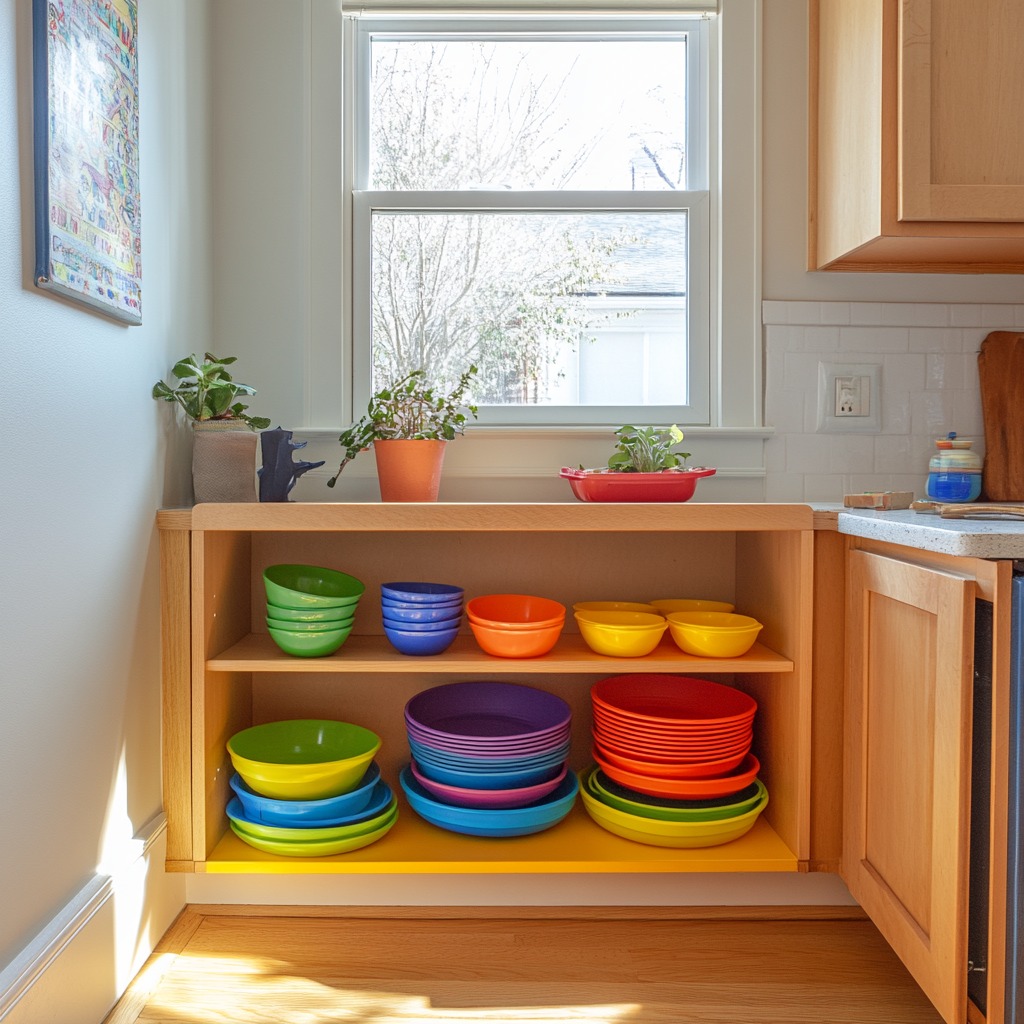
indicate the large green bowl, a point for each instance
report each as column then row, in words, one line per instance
column 308, row 627
column 310, row 615
column 303, row 758
column 310, row 586
column 316, row 847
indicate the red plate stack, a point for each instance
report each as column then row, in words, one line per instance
column 674, row 736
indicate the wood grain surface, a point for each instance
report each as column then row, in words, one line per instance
column 1001, row 376
column 505, row 970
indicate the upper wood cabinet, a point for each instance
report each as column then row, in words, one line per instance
column 916, row 157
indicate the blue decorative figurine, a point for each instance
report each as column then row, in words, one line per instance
column 278, row 472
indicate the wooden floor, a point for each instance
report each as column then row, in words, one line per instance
column 221, row 966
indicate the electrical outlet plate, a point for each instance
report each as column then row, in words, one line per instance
column 849, row 398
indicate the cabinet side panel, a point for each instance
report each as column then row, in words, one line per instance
column 847, row 128
column 176, row 672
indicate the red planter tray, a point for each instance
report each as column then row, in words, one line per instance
column 605, row 485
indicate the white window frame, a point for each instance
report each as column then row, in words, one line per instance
column 696, row 201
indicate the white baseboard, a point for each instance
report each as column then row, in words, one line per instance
column 80, row 963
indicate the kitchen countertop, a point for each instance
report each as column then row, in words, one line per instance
column 978, row 538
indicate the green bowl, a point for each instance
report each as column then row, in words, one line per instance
column 311, row 644
column 303, row 758
column 309, row 627
column 311, row 586
column 323, row 615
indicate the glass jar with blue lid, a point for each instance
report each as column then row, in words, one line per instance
column 954, row 471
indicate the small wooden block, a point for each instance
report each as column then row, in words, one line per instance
column 883, row 500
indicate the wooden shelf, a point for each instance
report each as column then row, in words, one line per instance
column 258, row 653
column 575, row 845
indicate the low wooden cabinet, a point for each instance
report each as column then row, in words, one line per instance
column 916, row 160
column 223, row 673
column 909, row 729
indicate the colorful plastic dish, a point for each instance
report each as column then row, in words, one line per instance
column 310, row 644
column 296, row 813
column 316, row 847
column 384, row 804
column 488, row 709
column 474, row 779
column 665, row 770
column 677, row 834
column 713, row 634
column 686, row 789
column 414, row 626
column 515, row 643
column 418, row 644
column 636, row 635
column 421, row 612
column 612, row 606
column 309, row 627
column 486, row 750
column 321, row 615
column 686, row 604
column 484, row 765
column 494, row 822
column 660, row 699
column 303, row 758
column 515, row 611
column 623, row 799
column 606, row 485
column 310, row 586
column 472, row 796
column 421, row 593
column 671, row 756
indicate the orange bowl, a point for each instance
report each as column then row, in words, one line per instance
column 515, row 643
column 515, row 611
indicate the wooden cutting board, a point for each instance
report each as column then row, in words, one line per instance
column 1001, row 374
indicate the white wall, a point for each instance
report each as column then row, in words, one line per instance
column 86, row 461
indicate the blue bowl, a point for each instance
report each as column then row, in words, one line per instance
column 296, row 813
column 380, row 799
column 407, row 641
column 419, row 612
column 492, row 822
column 414, row 626
column 488, row 780
column 421, row 593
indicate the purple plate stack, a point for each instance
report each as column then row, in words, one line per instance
column 488, row 744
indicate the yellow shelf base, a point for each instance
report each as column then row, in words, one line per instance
column 575, row 845
column 258, row 653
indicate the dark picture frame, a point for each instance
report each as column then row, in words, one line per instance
column 88, row 227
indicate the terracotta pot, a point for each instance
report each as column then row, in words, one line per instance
column 409, row 470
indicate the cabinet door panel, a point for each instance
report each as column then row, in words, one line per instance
column 907, row 764
column 962, row 89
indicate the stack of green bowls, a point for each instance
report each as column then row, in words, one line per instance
column 310, row 609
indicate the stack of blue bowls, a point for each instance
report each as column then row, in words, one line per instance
column 421, row 618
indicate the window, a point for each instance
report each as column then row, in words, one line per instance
column 532, row 196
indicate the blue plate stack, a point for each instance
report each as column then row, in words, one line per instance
column 489, row 758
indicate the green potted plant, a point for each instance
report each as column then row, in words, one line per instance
column 645, row 466
column 224, row 435
column 206, row 391
column 408, row 424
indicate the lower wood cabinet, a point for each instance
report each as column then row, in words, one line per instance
column 910, row 732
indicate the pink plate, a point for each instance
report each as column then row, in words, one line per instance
column 487, row 798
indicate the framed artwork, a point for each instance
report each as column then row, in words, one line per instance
column 86, row 136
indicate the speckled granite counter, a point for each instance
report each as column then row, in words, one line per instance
column 979, row 538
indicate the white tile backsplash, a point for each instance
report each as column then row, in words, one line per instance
column 928, row 353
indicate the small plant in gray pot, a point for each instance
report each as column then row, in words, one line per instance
column 224, row 434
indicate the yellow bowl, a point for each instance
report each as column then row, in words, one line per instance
column 680, row 604
column 621, row 640
column 713, row 634
column 303, row 759
column 612, row 606
column 619, row 619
